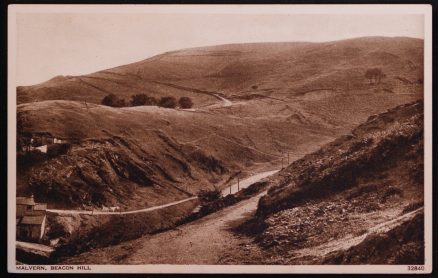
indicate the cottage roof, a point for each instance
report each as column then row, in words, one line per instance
column 35, row 212
column 25, row 201
column 32, row 220
column 40, row 206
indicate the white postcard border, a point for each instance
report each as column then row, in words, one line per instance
column 424, row 9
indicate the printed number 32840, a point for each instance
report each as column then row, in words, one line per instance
column 415, row 267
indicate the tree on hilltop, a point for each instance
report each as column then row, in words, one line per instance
column 185, row 103
column 142, row 99
column 113, row 101
column 167, row 102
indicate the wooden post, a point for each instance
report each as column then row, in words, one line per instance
column 230, row 187
column 288, row 158
column 282, row 158
column 238, row 184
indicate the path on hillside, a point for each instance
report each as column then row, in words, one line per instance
column 352, row 240
column 96, row 212
column 208, row 240
column 225, row 102
column 244, row 183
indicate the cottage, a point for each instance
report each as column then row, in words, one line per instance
column 31, row 227
column 24, row 205
column 31, row 219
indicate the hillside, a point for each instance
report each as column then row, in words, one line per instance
column 142, row 156
column 242, row 70
column 280, row 98
column 357, row 200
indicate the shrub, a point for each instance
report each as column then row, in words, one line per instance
column 392, row 190
column 30, row 158
column 142, row 99
column 113, row 101
column 362, row 190
column 167, row 102
column 185, row 102
column 137, row 100
column 374, row 75
column 58, row 149
column 22, row 142
column 206, row 196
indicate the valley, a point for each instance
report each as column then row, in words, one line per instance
column 257, row 108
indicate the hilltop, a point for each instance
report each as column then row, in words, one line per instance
column 246, row 70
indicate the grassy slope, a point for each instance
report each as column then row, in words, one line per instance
column 168, row 154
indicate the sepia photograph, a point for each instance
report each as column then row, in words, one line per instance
column 219, row 138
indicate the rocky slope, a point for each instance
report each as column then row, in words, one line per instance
column 357, row 200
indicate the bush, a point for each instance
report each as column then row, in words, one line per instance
column 167, row 102
column 30, row 158
column 185, row 102
column 58, row 149
column 206, row 196
column 113, row 101
column 374, row 75
column 391, row 191
column 362, row 190
column 142, row 99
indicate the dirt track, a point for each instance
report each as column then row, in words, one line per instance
column 205, row 241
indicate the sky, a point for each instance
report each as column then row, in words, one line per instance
column 51, row 44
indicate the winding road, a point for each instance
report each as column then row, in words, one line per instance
column 244, row 183
column 96, row 212
column 208, row 240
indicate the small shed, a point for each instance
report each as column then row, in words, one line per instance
column 32, row 227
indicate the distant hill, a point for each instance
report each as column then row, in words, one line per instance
column 281, row 69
